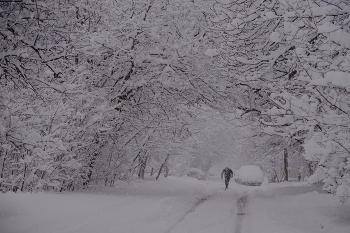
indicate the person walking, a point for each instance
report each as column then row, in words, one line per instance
column 228, row 173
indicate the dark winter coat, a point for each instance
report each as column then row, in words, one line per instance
column 227, row 172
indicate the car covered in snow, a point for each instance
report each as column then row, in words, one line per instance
column 196, row 173
column 249, row 175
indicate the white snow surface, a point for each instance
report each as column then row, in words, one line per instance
column 212, row 52
column 177, row 205
column 337, row 78
column 275, row 37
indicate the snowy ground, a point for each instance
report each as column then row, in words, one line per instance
column 174, row 205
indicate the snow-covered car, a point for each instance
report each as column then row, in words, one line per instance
column 249, row 175
column 196, row 173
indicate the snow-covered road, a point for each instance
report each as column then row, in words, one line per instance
column 177, row 205
column 214, row 214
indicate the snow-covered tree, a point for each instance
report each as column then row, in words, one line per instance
column 139, row 76
column 98, row 91
column 297, row 54
column 35, row 48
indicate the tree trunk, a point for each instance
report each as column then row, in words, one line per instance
column 143, row 164
column 285, row 158
column 161, row 167
column 24, row 177
column 90, row 170
column 3, row 167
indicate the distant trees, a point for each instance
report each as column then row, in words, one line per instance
column 296, row 55
column 215, row 140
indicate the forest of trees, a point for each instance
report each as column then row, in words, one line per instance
column 92, row 92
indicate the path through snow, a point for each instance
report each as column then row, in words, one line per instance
column 194, row 207
column 241, row 204
column 216, row 214
column 177, row 205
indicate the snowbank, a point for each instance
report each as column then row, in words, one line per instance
column 296, row 207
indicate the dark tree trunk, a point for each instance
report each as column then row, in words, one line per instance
column 90, row 170
column 285, row 158
column 3, row 167
column 24, row 177
column 161, row 167
column 143, row 164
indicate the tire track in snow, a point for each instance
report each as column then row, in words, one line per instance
column 193, row 208
column 241, row 203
